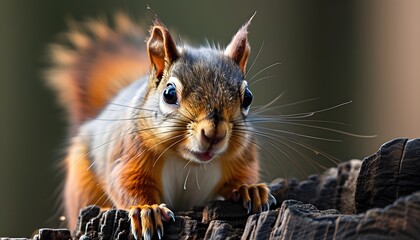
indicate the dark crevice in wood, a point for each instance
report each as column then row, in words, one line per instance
column 377, row 198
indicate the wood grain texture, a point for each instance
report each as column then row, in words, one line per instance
column 389, row 174
column 377, row 198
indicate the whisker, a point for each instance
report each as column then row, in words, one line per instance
column 331, row 108
column 104, row 144
column 122, row 119
column 99, row 199
column 189, row 118
column 186, row 179
column 315, row 150
column 240, row 151
column 265, row 137
column 321, row 121
column 255, row 60
column 94, row 134
column 260, row 79
column 157, row 144
column 189, row 161
column 264, row 69
column 329, row 129
column 297, row 134
column 236, row 134
column 204, row 166
column 211, row 164
column 124, row 135
column 259, row 109
column 176, row 142
column 309, row 160
column 286, row 105
column 133, row 107
column 272, row 154
column 306, row 114
column 196, row 180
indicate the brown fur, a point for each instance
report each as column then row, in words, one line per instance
column 86, row 75
column 82, row 187
column 124, row 169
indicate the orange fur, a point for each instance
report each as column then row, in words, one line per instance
column 87, row 74
column 242, row 168
column 134, row 180
column 91, row 71
column 82, row 187
column 131, row 181
column 120, row 163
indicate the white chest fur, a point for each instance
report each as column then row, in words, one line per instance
column 185, row 186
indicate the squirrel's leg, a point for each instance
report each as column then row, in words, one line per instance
column 240, row 182
column 135, row 186
column 81, row 186
column 255, row 197
column 146, row 219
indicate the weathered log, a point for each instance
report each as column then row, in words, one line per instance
column 295, row 220
column 377, row 198
column 389, row 174
column 334, row 189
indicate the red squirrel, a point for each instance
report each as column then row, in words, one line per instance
column 155, row 127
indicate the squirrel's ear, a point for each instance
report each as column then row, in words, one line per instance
column 238, row 49
column 161, row 49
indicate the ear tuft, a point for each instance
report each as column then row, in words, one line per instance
column 238, row 49
column 161, row 49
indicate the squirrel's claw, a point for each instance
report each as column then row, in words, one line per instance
column 166, row 214
column 271, row 199
column 255, row 197
column 147, row 219
column 147, row 235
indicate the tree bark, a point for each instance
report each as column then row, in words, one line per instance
column 377, row 198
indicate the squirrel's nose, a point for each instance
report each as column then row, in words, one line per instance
column 211, row 136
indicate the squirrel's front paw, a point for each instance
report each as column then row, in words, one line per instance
column 146, row 220
column 255, row 197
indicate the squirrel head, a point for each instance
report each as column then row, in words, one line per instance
column 201, row 96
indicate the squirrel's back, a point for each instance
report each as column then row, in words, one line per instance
column 96, row 64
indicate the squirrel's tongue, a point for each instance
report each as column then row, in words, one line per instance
column 204, row 156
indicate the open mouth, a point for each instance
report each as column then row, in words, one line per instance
column 203, row 156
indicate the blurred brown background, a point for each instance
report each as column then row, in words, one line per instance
column 364, row 51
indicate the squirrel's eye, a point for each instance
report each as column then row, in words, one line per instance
column 169, row 95
column 247, row 98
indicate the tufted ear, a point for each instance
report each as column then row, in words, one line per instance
column 238, row 49
column 161, row 49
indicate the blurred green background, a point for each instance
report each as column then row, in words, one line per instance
column 335, row 51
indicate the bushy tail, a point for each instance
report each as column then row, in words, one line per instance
column 95, row 64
